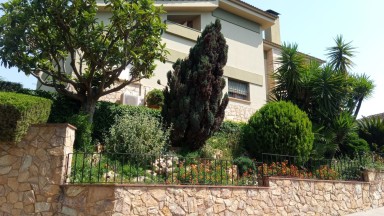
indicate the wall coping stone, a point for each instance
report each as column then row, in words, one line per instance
column 165, row 186
column 64, row 125
column 320, row 180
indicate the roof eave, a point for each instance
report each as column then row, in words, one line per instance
column 249, row 12
column 269, row 45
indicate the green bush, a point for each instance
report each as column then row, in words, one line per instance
column 155, row 98
column 18, row 112
column 279, row 128
column 225, row 143
column 245, row 165
column 137, row 135
column 371, row 129
column 83, row 136
column 106, row 115
column 10, row 86
column 63, row 107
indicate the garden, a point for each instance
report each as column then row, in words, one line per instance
column 307, row 129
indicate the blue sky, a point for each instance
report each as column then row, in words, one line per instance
column 313, row 26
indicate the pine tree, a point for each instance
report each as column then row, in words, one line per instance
column 193, row 100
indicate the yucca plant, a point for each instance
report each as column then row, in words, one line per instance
column 372, row 130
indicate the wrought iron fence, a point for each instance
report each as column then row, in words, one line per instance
column 327, row 169
column 166, row 169
column 156, row 169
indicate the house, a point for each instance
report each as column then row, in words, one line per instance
column 253, row 38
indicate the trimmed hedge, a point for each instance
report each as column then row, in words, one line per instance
column 10, row 86
column 279, row 128
column 107, row 113
column 63, row 107
column 18, row 112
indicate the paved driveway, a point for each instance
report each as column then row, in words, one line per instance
column 373, row 212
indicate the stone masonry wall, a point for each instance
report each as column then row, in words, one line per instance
column 32, row 171
column 284, row 197
column 32, row 182
column 238, row 112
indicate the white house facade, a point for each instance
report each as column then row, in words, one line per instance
column 253, row 39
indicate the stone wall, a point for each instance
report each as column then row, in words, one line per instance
column 238, row 112
column 283, row 197
column 115, row 97
column 32, row 171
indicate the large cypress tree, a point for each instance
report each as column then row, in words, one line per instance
column 193, row 100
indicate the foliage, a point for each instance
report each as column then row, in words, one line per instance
column 63, row 107
column 279, row 127
column 83, row 136
column 18, row 112
column 286, row 169
column 245, row 165
column 288, row 74
column 10, row 86
column 225, row 143
column 329, row 94
column 362, row 89
column 65, row 46
column 203, row 172
column 371, row 161
column 138, row 134
column 340, row 55
column 371, row 129
column 155, row 98
column 107, row 114
column 193, row 101
column 96, row 168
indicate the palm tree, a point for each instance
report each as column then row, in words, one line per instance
column 362, row 88
column 289, row 74
column 340, row 55
column 372, row 130
column 327, row 94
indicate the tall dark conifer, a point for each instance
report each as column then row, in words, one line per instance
column 193, row 100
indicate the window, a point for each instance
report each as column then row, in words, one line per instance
column 238, row 89
column 191, row 21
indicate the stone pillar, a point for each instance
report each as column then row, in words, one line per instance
column 32, row 170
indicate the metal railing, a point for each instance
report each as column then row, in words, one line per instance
column 115, row 168
column 326, row 169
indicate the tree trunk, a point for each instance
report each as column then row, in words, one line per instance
column 88, row 107
column 358, row 107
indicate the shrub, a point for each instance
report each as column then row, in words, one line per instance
column 107, row 114
column 83, row 136
column 280, row 128
column 10, row 86
column 155, row 98
column 137, row 135
column 245, row 165
column 225, row 142
column 193, row 98
column 371, row 129
column 63, row 107
column 18, row 112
